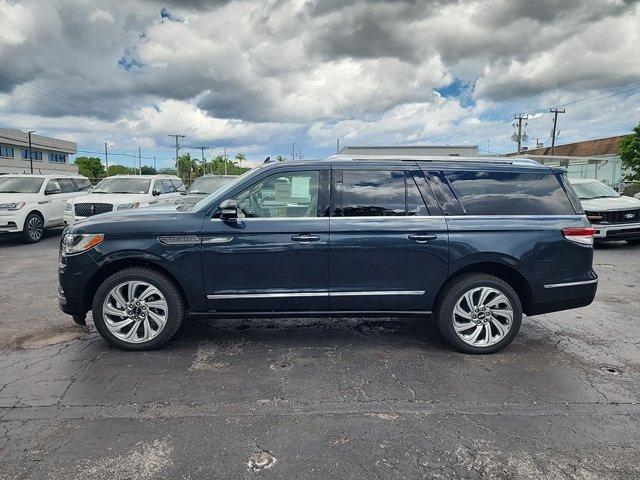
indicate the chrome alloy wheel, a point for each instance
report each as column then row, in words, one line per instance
column 35, row 228
column 135, row 311
column 482, row 316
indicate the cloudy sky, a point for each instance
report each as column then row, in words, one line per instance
column 256, row 76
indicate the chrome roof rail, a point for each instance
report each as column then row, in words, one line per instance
column 523, row 161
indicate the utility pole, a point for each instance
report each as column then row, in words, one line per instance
column 204, row 165
column 554, row 132
column 520, row 137
column 338, row 146
column 225, row 160
column 30, row 152
column 293, row 151
column 106, row 157
column 154, row 164
column 139, row 162
column 178, row 136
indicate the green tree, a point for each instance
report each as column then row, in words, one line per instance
column 146, row 170
column 121, row 170
column 167, row 171
column 90, row 167
column 240, row 157
column 630, row 154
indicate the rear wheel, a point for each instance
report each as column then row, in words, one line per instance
column 138, row 309
column 479, row 313
column 33, row 229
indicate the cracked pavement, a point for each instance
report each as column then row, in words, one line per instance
column 309, row 398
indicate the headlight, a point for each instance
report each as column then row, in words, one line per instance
column 11, row 206
column 127, row 206
column 77, row 243
column 67, row 207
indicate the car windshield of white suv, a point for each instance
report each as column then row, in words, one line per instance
column 591, row 190
column 20, row 184
column 123, row 185
column 207, row 185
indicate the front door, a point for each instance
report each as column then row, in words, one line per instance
column 274, row 256
column 389, row 244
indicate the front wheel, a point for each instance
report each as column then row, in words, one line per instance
column 479, row 313
column 33, row 229
column 138, row 309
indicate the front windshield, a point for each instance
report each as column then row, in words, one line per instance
column 123, row 185
column 591, row 190
column 207, row 185
column 20, row 184
column 229, row 186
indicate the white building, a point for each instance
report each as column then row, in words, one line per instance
column 49, row 155
column 418, row 150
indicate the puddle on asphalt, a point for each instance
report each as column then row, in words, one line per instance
column 61, row 334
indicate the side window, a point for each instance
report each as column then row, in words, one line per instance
column 179, row 186
column 168, row 186
column 510, row 193
column 67, row 185
column 82, row 183
column 415, row 203
column 443, row 193
column 53, row 186
column 283, row 195
column 371, row 193
column 157, row 185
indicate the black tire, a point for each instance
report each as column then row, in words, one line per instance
column 634, row 241
column 33, row 229
column 454, row 290
column 173, row 296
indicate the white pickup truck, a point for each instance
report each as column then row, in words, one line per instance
column 31, row 203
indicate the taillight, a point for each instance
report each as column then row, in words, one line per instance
column 581, row 235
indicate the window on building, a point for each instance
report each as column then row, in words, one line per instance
column 6, row 151
column 510, row 193
column 36, row 156
column 57, row 158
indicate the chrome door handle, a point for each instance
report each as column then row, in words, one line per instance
column 304, row 238
column 422, row 238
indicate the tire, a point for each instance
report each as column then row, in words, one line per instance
column 33, row 229
column 479, row 284
column 158, row 299
column 634, row 241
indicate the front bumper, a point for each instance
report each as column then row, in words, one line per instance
column 616, row 231
column 74, row 273
column 11, row 222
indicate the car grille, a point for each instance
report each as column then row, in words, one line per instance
column 89, row 209
column 620, row 216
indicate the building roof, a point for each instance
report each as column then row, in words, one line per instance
column 587, row 148
column 15, row 137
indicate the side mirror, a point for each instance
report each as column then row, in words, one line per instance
column 156, row 192
column 228, row 209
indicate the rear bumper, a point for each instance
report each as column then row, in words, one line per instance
column 616, row 231
column 554, row 296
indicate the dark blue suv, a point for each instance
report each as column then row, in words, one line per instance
column 475, row 242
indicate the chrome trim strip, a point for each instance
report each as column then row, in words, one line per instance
column 376, row 293
column 570, row 284
column 417, row 217
column 179, row 239
column 214, row 240
column 321, row 293
column 497, row 217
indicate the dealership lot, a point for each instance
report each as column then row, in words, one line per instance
column 317, row 398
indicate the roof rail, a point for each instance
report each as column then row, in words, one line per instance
column 439, row 159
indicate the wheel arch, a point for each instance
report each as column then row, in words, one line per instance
column 504, row 272
column 115, row 266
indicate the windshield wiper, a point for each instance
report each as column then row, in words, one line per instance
column 123, row 192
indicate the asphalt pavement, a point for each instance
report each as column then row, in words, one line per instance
column 309, row 398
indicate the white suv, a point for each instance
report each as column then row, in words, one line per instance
column 124, row 192
column 31, row 203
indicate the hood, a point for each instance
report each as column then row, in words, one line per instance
column 610, row 204
column 113, row 198
column 192, row 198
column 19, row 197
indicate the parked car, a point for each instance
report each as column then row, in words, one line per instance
column 614, row 216
column 31, row 203
column 474, row 242
column 125, row 192
column 203, row 186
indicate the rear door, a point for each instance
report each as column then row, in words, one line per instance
column 52, row 206
column 388, row 244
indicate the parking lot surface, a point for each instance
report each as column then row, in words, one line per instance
column 318, row 398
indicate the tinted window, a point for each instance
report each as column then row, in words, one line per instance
column 82, row 183
column 53, row 186
column 287, row 195
column 67, row 185
column 510, row 193
column 415, row 202
column 368, row 193
column 123, row 185
column 168, row 186
column 179, row 186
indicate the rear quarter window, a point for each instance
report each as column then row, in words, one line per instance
column 510, row 193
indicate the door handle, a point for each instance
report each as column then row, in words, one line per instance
column 422, row 237
column 305, row 238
